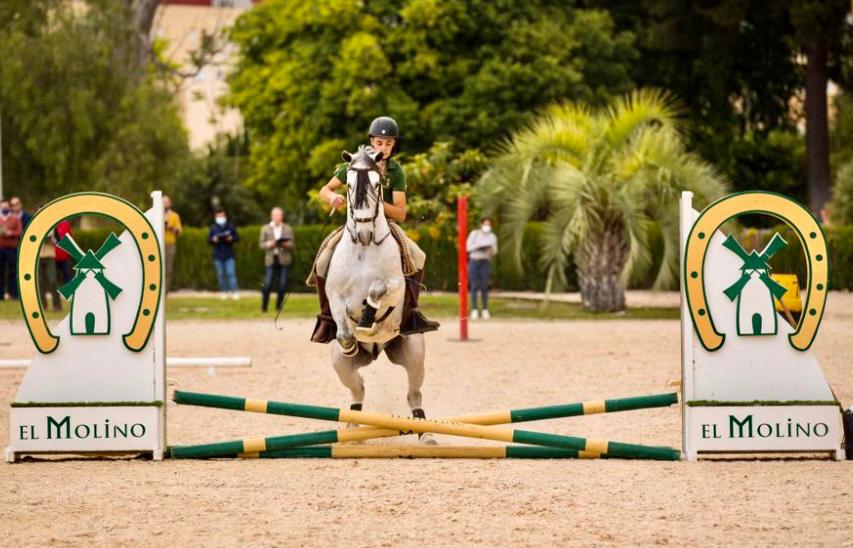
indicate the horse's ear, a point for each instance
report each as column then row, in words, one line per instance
column 346, row 156
column 378, row 157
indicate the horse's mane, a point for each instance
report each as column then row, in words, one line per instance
column 363, row 164
column 362, row 183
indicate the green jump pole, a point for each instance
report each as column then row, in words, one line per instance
column 486, row 419
column 613, row 449
column 422, row 452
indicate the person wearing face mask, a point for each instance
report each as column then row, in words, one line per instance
column 173, row 229
column 222, row 236
column 10, row 233
column 482, row 245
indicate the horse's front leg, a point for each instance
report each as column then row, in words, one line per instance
column 382, row 293
column 347, row 369
column 345, row 338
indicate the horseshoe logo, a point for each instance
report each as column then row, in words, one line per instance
column 811, row 238
column 103, row 205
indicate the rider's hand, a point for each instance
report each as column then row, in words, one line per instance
column 336, row 201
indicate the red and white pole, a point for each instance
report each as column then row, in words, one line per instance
column 462, row 228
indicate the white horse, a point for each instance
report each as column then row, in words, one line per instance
column 366, row 288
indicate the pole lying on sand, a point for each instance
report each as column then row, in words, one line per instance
column 485, row 419
column 422, row 452
column 613, row 449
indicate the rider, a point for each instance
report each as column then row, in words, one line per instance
column 384, row 135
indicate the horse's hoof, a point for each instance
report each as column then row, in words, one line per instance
column 350, row 351
column 427, row 439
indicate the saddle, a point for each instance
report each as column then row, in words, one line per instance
column 331, row 241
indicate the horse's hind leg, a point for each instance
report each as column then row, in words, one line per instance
column 409, row 351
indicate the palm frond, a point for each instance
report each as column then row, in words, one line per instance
column 642, row 108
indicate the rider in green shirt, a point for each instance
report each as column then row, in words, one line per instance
column 384, row 135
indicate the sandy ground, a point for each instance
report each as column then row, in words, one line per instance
column 433, row 502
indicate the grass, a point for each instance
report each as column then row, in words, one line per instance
column 301, row 305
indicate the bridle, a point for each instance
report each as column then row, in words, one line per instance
column 376, row 193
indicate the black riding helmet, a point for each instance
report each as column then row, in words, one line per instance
column 385, row 126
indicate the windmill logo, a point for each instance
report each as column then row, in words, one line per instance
column 755, row 290
column 89, row 291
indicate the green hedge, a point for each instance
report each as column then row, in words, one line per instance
column 194, row 264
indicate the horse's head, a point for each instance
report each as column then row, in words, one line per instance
column 364, row 193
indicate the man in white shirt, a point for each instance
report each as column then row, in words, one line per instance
column 482, row 246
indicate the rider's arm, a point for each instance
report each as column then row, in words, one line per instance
column 397, row 210
column 327, row 193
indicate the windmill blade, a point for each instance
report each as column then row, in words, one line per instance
column 109, row 244
column 776, row 244
column 734, row 290
column 68, row 289
column 68, row 245
column 112, row 289
column 776, row 289
column 733, row 245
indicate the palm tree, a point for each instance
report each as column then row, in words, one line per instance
column 599, row 179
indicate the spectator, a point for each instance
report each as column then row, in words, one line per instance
column 482, row 245
column 173, row 230
column 47, row 274
column 63, row 264
column 18, row 209
column 10, row 234
column 276, row 241
column 222, row 236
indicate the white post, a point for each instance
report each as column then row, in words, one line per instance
column 1, row 153
column 160, row 327
column 686, row 219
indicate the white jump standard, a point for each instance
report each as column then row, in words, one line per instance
column 97, row 384
column 750, row 384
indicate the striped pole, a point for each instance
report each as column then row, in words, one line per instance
column 421, row 426
column 486, row 419
column 422, row 452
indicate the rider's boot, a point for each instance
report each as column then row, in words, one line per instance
column 413, row 319
column 325, row 329
column 367, row 324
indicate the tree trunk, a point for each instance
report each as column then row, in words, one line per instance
column 600, row 261
column 817, row 133
column 142, row 12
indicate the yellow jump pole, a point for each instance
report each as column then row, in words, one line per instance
column 421, row 426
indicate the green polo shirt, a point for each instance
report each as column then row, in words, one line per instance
column 395, row 179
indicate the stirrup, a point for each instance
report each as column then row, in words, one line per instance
column 367, row 323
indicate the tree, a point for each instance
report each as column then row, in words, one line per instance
column 598, row 178
column 819, row 28
column 311, row 76
column 738, row 66
column 76, row 114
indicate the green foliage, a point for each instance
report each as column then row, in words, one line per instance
column 774, row 161
column 738, row 67
column 212, row 179
column 436, row 178
column 841, row 206
column 311, row 76
column 589, row 174
column 76, row 112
